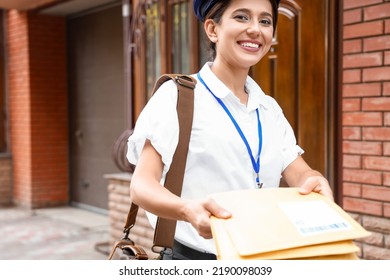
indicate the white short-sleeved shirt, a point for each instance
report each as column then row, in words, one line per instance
column 218, row 160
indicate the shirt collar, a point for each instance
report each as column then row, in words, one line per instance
column 256, row 96
column 219, row 89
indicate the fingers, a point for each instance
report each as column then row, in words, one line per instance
column 199, row 213
column 212, row 209
column 308, row 186
column 203, row 225
column 216, row 210
column 317, row 184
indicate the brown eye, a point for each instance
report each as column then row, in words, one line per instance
column 266, row 22
column 241, row 17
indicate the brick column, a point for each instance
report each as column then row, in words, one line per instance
column 38, row 108
column 119, row 202
column 366, row 121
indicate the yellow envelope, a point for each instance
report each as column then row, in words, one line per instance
column 227, row 251
column 274, row 220
column 351, row 256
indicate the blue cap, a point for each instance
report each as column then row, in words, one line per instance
column 202, row 7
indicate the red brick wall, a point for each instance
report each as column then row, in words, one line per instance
column 366, row 120
column 38, row 108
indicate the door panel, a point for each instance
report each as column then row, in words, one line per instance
column 294, row 73
column 96, row 99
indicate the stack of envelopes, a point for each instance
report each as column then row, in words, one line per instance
column 280, row 223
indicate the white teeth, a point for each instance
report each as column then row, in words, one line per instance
column 250, row 45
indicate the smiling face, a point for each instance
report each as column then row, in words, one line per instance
column 244, row 34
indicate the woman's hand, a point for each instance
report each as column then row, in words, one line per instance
column 198, row 213
column 318, row 184
column 147, row 193
column 299, row 174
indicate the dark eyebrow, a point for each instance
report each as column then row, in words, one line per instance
column 244, row 10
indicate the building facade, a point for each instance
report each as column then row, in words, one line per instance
column 365, row 120
column 75, row 74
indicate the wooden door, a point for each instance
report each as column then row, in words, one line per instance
column 295, row 73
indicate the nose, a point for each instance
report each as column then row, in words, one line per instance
column 254, row 29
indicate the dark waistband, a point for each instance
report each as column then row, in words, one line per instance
column 190, row 253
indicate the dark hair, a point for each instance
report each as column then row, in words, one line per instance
column 216, row 12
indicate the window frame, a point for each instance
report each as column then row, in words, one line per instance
column 139, row 75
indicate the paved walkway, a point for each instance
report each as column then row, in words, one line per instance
column 64, row 233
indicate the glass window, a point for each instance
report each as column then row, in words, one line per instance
column 169, row 43
column 181, row 38
column 153, row 54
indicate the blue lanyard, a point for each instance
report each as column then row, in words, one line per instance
column 255, row 163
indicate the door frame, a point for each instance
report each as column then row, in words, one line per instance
column 335, row 88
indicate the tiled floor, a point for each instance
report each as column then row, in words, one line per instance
column 64, row 233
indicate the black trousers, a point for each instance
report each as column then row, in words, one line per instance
column 182, row 252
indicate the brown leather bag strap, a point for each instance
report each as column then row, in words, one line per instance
column 165, row 229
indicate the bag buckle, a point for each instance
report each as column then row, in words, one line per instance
column 126, row 231
column 185, row 81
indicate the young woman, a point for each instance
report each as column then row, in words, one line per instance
column 240, row 138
